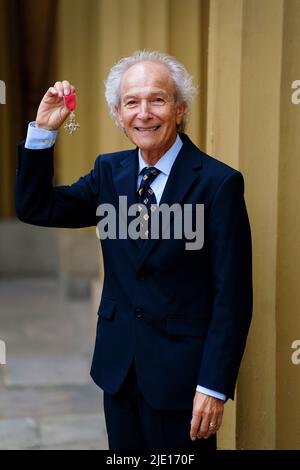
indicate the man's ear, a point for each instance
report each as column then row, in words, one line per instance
column 180, row 110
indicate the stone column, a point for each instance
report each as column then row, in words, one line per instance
column 253, row 126
column 288, row 247
column 223, row 119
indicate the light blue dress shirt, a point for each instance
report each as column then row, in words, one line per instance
column 164, row 164
column 38, row 139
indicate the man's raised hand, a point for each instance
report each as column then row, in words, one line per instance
column 52, row 111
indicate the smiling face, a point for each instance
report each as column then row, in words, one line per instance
column 147, row 111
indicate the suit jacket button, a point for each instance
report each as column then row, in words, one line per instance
column 139, row 312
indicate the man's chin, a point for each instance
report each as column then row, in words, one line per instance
column 147, row 142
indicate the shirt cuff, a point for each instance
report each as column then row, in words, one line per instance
column 211, row 393
column 38, row 138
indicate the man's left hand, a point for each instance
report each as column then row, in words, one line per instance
column 207, row 416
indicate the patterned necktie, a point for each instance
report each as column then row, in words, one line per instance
column 146, row 195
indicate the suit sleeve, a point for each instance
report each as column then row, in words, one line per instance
column 229, row 239
column 38, row 202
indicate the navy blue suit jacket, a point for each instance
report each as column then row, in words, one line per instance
column 183, row 316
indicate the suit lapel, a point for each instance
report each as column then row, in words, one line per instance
column 125, row 180
column 125, row 177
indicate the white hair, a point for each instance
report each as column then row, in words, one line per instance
column 184, row 88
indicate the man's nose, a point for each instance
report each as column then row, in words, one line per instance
column 144, row 111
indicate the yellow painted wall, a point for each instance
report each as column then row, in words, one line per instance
column 259, row 150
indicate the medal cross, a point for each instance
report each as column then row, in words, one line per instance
column 71, row 126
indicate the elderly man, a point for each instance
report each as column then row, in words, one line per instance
column 172, row 322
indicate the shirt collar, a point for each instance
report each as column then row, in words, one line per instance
column 165, row 162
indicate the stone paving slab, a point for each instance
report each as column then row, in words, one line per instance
column 70, row 429
column 50, row 401
column 97, row 445
column 46, row 370
column 69, row 432
column 18, row 434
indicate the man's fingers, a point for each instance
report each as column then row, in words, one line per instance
column 219, row 419
column 209, row 426
column 194, row 427
column 66, row 87
column 216, row 420
column 52, row 91
column 60, row 89
column 204, row 429
column 201, row 427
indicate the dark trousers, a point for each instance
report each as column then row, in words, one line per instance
column 132, row 424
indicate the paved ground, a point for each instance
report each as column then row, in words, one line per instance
column 47, row 398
